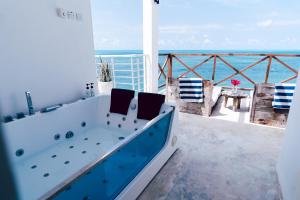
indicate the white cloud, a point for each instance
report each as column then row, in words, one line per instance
column 288, row 40
column 174, row 29
column 228, row 42
column 167, row 44
column 287, row 22
column 253, row 41
column 277, row 23
column 238, row 27
column 107, row 43
column 181, row 29
column 273, row 14
column 211, row 26
column 206, row 40
column 117, row 37
column 239, row 2
column 265, row 23
column 176, row 3
column 191, row 41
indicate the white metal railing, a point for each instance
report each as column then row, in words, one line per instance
column 127, row 70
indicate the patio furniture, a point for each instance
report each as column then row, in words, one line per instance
column 211, row 95
column 262, row 111
column 237, row 97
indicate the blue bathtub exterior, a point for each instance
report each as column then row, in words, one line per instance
column 109, row 177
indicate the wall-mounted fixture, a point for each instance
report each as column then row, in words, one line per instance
column 29, row 103
column 68, row 14
column 156, row 1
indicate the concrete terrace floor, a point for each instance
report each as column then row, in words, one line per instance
column 219, row 160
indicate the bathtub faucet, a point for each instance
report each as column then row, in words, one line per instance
column 29, row 103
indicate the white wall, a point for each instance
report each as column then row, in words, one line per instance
column 289, row 161
column 40, row 52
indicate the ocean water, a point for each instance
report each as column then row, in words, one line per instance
column 277, row 74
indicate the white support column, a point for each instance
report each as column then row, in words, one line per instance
column 150, row 44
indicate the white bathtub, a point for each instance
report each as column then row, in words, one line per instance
column 81, row 151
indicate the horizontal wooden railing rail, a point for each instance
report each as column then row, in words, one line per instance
column 222, row 57
column 229, row 54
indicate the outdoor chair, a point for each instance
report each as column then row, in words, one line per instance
column 193, row 95
column 271, row 103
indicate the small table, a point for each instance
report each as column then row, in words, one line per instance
column 237, row 97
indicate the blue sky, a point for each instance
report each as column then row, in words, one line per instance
column 200, row 24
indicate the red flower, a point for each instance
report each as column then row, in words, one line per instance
column 235, row 82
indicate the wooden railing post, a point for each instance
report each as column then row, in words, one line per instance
column 268, row 69
column 170, row 68
column 214, row 68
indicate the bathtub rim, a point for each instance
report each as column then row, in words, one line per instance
column 39, row 113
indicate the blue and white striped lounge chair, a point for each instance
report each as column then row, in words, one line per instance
column 283, row 95
column 191, row 90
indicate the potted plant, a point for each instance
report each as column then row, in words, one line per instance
column 105, row 83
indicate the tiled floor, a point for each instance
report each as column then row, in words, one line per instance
column 219, row 160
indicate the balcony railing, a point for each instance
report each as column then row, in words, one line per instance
column 220, row 68
column 127, row 70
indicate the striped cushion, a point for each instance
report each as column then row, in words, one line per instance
column 283, row 96
column 191, row 90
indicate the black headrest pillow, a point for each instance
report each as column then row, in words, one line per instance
column 149, row 105
column 120, row 100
